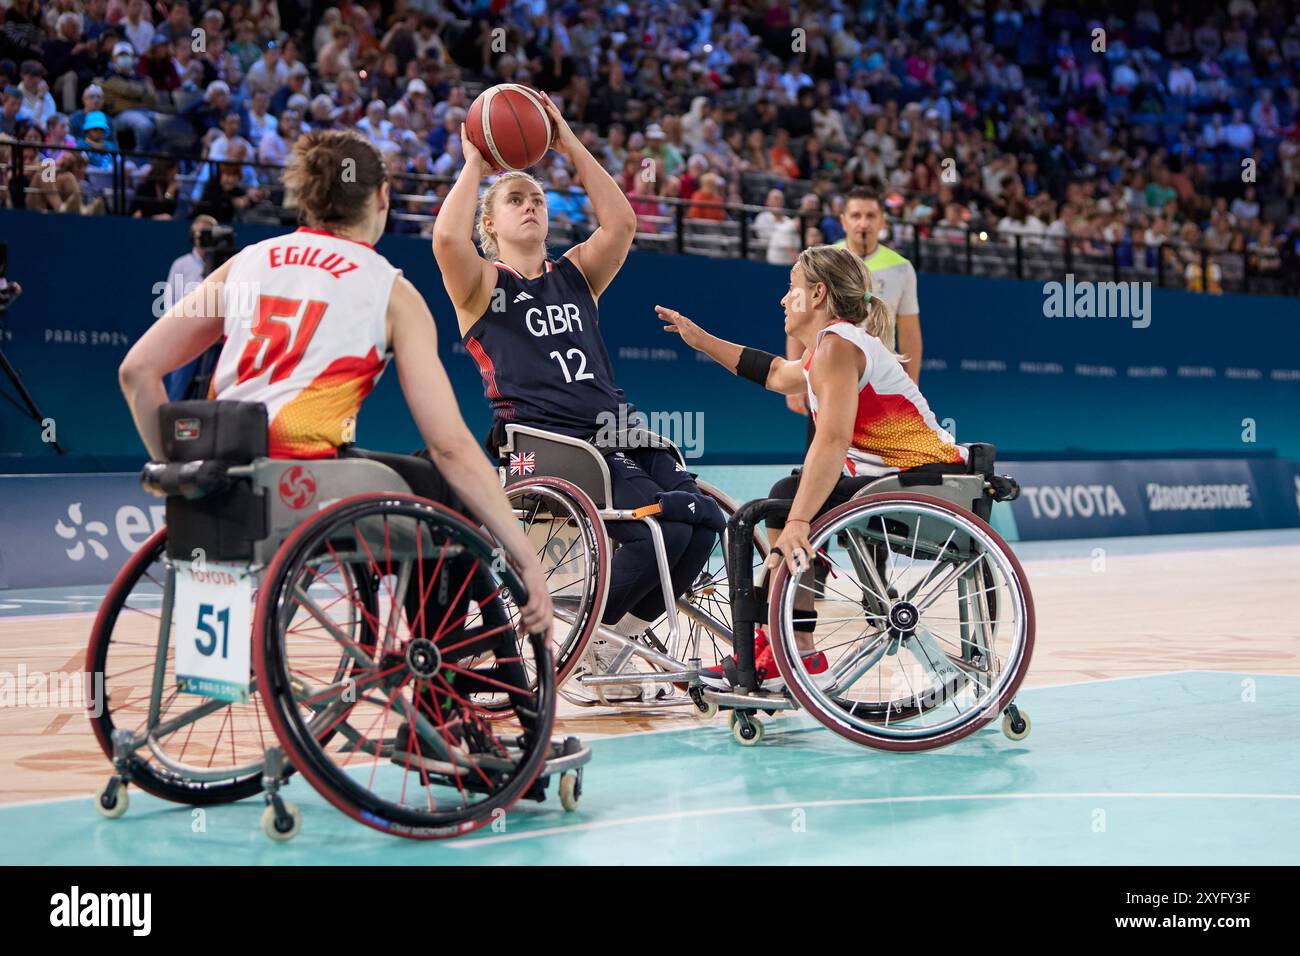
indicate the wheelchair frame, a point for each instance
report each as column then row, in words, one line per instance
column 582, row 464
column 284, row 503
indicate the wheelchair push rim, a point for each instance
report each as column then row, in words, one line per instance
column 413, row 755
column 952, row 665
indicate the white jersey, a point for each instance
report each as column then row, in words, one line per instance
column 893, row 428
column 306, row 335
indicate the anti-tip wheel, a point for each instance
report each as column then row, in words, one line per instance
column 570, row 791
column 1013, row 734
column 282, row 830
column 705, row 710
column 111, row 807
column 747, row 734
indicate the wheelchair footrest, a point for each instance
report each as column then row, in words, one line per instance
column 760, row 700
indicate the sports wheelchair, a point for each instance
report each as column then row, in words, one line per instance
column 386, row 664
column 563, row 499
column 922, row 609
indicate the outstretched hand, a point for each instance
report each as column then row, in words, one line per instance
column 674, row 321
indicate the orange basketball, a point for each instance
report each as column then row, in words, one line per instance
column 509, row 126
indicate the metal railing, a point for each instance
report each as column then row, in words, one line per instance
column 665, row 224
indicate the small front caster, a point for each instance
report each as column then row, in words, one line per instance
column 1015, row 723
column 281, row 820
column 570, row 790
column 111, row 800
column 747, row 730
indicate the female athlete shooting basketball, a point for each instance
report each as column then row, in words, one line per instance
column 310, row 320
column 871, row 418
column 532, row 325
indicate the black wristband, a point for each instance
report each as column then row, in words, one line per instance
column 755, row 364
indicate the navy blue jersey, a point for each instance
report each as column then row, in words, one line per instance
column 539, row 350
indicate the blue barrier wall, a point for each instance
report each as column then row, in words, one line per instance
column 79, row 529
column 994, row 364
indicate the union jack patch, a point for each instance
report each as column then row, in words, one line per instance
column 523, row 462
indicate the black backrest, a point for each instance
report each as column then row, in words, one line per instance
column 233, row 432
column 222, row 526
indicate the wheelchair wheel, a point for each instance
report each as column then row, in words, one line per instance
column 926, row 621
column 563, row 523
column 185, row 748
column 394, row 734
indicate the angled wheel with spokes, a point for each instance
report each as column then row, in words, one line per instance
column 926, row 620
column 397, row 735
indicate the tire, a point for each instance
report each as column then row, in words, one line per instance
column 282, row 674
column 831, row 711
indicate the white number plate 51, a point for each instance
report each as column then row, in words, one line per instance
column 213, row 629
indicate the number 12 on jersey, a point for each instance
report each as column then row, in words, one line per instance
column 212, row 630
column 577, row 356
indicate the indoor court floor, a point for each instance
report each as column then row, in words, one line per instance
column 1164, row 694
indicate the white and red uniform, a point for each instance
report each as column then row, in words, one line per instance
column 893, row 428
column 306, row 335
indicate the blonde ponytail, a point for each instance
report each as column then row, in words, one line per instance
column 848, row 284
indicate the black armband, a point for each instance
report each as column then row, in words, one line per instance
column 755, row 364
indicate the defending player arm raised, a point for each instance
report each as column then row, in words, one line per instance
column 783, row 376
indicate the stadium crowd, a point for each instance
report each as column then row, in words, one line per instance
column 1135, row 130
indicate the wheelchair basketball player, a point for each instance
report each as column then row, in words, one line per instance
column 532, row 326
column 871, row 418
column 311, row 319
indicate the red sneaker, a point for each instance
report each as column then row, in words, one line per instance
column 714, row 676
column 769, row 678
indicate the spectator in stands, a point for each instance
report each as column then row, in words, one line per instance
column 268, row 74
column 566, row 204
column 277, row 144
column 155, row 197
column 129, row 99
column 296, row 82
column 94, row 134
column 225, row 196
column 38, row 104
column 706, row 202
column 137, row 26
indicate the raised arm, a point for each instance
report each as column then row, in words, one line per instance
column 601, row 256
column 771, row 371
column 182, row 334
column 469, row 279
column 453, row 449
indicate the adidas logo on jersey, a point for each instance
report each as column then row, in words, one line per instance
column 522, row 297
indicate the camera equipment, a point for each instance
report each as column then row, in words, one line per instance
column 27, row 404
column 218, row 245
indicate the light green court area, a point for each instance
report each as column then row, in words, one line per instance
column 1185, row 768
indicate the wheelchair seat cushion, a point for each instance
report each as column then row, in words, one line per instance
column 417, row 470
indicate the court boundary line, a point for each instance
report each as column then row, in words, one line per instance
column 859, row 801
column 40, row 801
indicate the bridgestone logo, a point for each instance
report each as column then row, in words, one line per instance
column 1198, row 497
